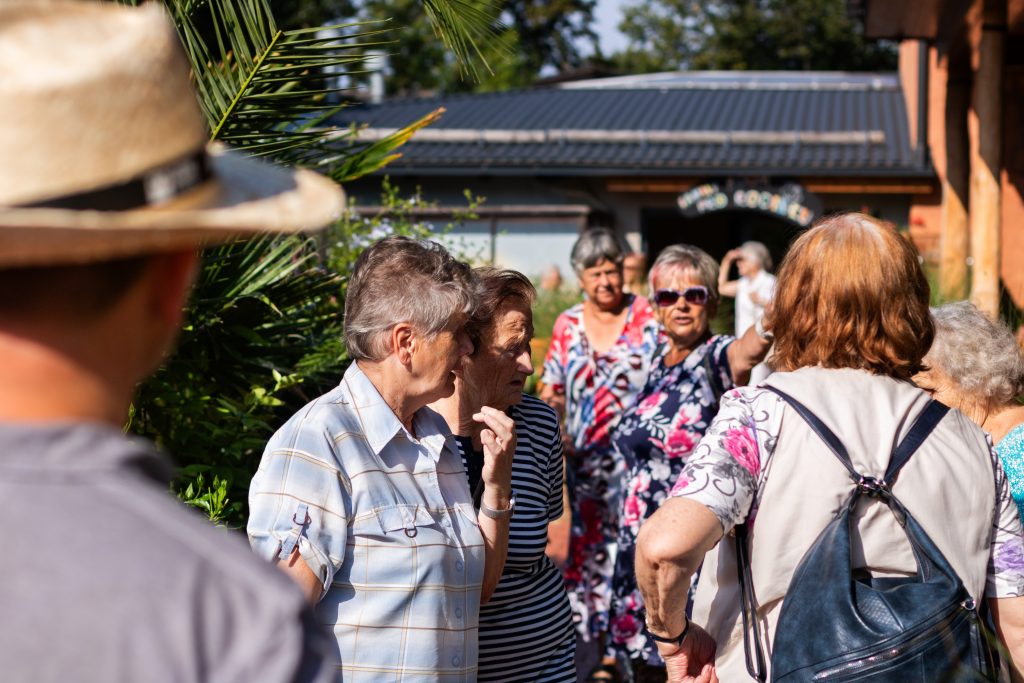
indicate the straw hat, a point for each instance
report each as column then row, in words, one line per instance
column 103, row 148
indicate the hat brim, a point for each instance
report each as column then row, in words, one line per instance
column 245, row 197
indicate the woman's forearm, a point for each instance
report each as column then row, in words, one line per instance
column 495, row 533
column 745, row 353
column 670, row 547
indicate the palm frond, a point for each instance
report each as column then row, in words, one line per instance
column 465, row 26
column 266, row 90
column 351, row 164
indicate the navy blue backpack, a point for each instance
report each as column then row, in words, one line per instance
column 841, row 624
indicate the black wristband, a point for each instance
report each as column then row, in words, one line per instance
column 677, row 641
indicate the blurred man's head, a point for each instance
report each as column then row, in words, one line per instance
column 109, row 187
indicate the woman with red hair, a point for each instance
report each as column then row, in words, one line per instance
column 851, row 324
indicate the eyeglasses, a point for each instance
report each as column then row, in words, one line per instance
column 697, row 294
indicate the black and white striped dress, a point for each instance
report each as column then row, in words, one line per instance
column 526, row 631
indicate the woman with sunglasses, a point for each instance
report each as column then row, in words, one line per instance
column 691, row 369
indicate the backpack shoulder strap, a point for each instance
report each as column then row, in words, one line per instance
column 819, row 427
column 923, row 425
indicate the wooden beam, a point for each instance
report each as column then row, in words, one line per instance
column 649, row 186
column 816, row 185
column 901, row 19
column 986, row 142
column 868, row 187
column 955, row 233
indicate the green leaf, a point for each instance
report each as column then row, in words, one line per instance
column 380, row 153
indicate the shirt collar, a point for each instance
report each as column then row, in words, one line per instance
column 381, row 425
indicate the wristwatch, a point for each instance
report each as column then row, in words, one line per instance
column 499, row 514
column 761, row 332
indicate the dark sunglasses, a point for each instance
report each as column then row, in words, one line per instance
column 698, row 294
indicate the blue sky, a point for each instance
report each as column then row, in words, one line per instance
column 607, row 16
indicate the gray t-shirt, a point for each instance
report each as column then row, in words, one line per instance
column 105, row 577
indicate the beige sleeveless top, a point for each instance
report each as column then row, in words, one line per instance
column 949, row 486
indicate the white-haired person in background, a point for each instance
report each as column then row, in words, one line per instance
column 975, row 366
column 108, row 187
column 753, row 290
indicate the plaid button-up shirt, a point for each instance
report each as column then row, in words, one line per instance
column 386, row 521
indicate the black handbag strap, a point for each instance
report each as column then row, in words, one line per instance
column 923, row 425
column 748, row 609
column 822, row 430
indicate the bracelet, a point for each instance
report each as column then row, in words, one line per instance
column 499, row 514
column 677, row 641
column 761, row 332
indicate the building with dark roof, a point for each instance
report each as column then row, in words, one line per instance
column 708, row 158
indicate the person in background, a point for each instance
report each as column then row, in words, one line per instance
column 753, row 290
column 108, row 188
column 976, row 366
column 598, row 359
column 361, row 496
column 634, row 273
column 551, row 280
column 851, row 327
column 657, row 434
column 526, row 631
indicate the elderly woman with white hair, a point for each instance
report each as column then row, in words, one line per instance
column 362, row 498
column 753, row 290
column 976, row 366
column 656, row 436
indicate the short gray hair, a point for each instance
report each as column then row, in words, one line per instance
column 980, row 356
column 759, row 253
column 403, row 280
column 593, row 247
column 686, row 257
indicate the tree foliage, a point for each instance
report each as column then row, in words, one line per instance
column 525, row 38
column 747, row 34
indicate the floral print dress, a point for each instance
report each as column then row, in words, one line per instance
column 598, row 387
column 655, row 437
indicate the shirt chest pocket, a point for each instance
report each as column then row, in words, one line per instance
column 402, row 520
column 387, row 538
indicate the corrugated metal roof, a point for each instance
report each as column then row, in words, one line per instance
column 794, row 124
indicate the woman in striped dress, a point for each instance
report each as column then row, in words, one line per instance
column 526, row 631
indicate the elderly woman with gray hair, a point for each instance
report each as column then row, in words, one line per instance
column 597, row 361
column 976, row 366
column 657, row 434
column 362, row 498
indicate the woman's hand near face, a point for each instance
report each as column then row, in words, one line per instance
column 499, row 442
